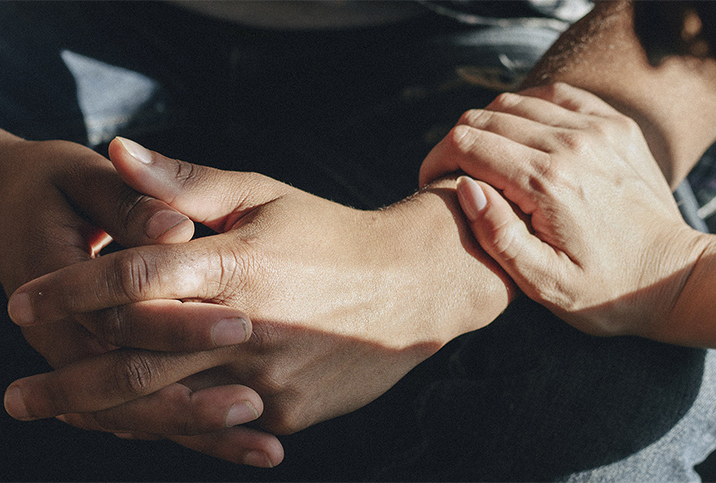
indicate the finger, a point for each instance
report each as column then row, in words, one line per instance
column 522, row 130
column 103, row 382
column 210, row 196
column 238, row 445
column 177, row 410
column 501, row 162
column 64, row 342
column 539, row 110
column 193, row 270
column 131, row 218
column 138, row 436
column 169, row 325
column 504, row 236
column 572, row 99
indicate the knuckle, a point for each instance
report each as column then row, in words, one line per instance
column 134, row 373
column 284, row 417
column 573, row 140
column 185, row 172
column 134, row 272
column 502, row 240
column 461, row 139
column 113, row 326
column 544, row 173
column 130, row 206
column 553, row 291
column 237, row 267
column 472, row 117
column 628, row 126
column 505, row 101
column 556, row 91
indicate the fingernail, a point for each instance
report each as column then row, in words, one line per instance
column 230, row 331
column 163, row 221
column 15, row 404
column 20, row 309
column 138, row 152
column 257, row 458
column 241, row 413
column 472, row 198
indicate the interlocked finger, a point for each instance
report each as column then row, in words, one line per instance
column 103, row 382
column 169, row 325
column 177, row 410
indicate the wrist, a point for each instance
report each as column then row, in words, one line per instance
column 685, row 287
column 461, row 288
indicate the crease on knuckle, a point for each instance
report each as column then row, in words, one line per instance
column 237, row 266
column 135, row 273
column 553, row 290
column 462, row 138
column 544, row 175
column 134, row 373
column 185, row 172
column 130, row 206
column 573, row 140
column 502, row 241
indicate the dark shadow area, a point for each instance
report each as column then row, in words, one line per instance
column 350, row 117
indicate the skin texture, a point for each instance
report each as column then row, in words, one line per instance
column 357, row 299
column 599, row 54
column 674, row 102
column 603, row 245
column 77, row 200
column 602, row 55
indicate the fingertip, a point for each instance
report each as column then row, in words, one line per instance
column 20, row 310
column 241, row 413
column 471, row 196
column 231, row 331
column 15, row 404
column 258, row 459
column 133, row 149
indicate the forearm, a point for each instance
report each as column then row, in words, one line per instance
column 674, row 103
column 472, row 289
column 692, row 321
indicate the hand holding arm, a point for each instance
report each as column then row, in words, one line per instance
column 604, row 247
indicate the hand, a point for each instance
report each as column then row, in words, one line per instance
column 343, row 302
column 604, row 246
column 55, row 196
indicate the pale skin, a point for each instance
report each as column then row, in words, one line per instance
column 605, row 247
column 639, row 269
column 442, row 245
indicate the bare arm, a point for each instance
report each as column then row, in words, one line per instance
column 674, row 103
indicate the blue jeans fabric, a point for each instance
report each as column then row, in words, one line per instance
column 348, row 116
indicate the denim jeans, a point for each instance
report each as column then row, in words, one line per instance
column 348, row 116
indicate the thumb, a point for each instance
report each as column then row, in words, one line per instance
column 210, row 196
column 504, row 235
